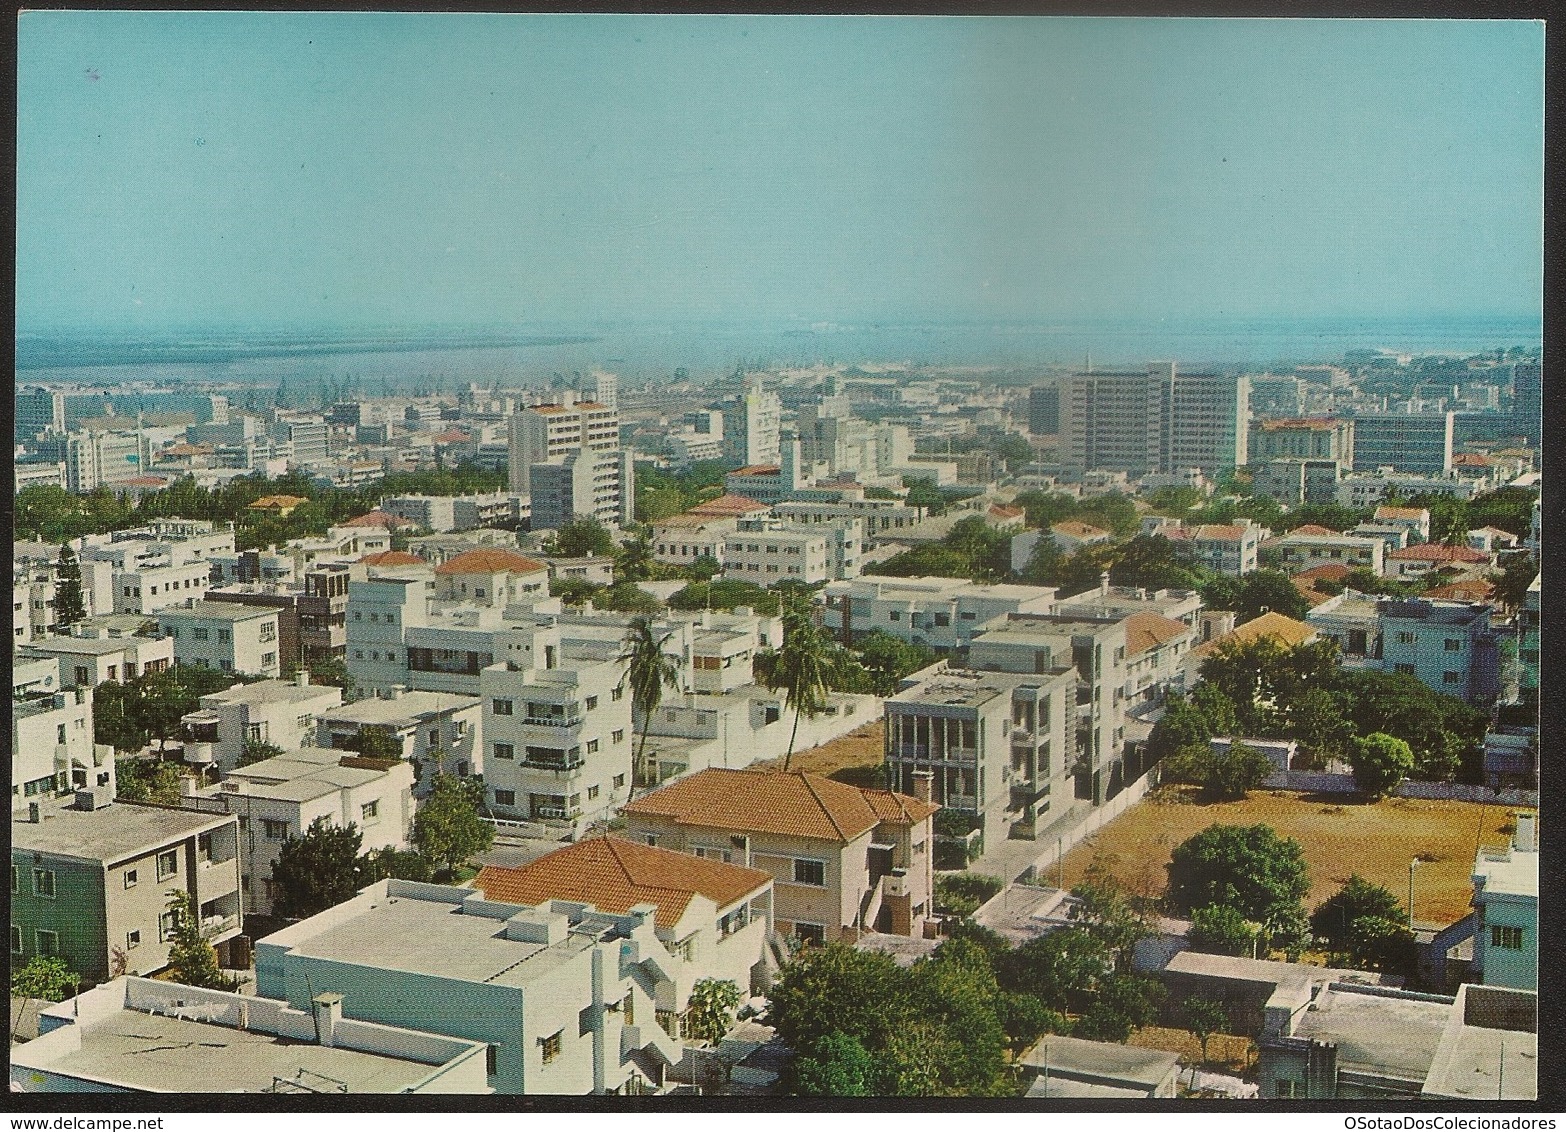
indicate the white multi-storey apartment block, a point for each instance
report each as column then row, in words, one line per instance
column 280, row 712
column 223, row 635
column 943, row 613
column 437, row 732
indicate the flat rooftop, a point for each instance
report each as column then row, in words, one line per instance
column 1390, row 1035
column 217, row 611
column 410, row 707
column 269, row 692
column 1490, row 1048
column 158, row 1054
column 1508, row 872
column 436, row 939
column 966, row 689
column 1111, row 1064
column 115, row 832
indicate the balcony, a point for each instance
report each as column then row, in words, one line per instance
column 553, row 768
column 212, row 926
column 557, row 813
column 552, row 720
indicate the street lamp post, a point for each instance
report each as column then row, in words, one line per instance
column 1412, row 865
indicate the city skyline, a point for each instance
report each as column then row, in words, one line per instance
column 228, row 169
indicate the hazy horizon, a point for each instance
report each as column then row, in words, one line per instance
column 185, row 172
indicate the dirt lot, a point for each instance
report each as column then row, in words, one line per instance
column 861, row 748
column 1340, row 837
column 1225, row 1052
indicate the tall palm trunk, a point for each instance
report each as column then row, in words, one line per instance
column 641, row 749
column 792, row 735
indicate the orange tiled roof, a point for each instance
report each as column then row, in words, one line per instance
column 1078, row 529
column 615, row 875
column 795, row 804
column 271, row 502
column 1438, row 552
column 144, row 481
column 1220, row 532
column 377, row 519
column 490, row 560
column 1313, row 529
column 1385, row 512
column 1471, row 460
column 1467, row 589
column 1285, row 630
column 1149, row 630
column 1331, row 571
column 393, row 558
column 1002, row 512
column 1317, row 424
column 689, row 519
column 757, row 470
column 455, row 436
column 726, row 505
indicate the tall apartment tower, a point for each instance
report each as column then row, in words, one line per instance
column 39, row 410
column 1409, row 442
column 606, row 389
column 544, row 433
column 1528, row 400
column 750, row 435
column 1154, row 421
column 1044, row 409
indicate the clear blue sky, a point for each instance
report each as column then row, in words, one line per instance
column 218, row 169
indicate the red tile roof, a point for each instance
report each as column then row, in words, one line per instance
column 1149, row 630
column 757, row 470
column 1075, row 528
column 490, row 560
column 1437, row 552
column 278, row 502
column 1313, row 529
column 1332, row 571
column 1471, row 460
column 1001, row 512
column 727, row 505
column 1387, row 512
column 455, row 436
column 615, row 875
column 1316, row 424
column 795, row 804
column 1220, row 532
column 1468, row 589
column 1285, row 630
column 378, row 519
column 393, row 558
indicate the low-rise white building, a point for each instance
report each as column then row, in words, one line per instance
column 943, row 613
column 1302, row 549
column 97, row 651
column 278, row 798
column 576, row 995
column 151, row 588
column 438, row 732
column 52, row 749
column 766, row 552
column 225, row 636
column 280, row 712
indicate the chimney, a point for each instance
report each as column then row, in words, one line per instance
column 1525, row 840
column 328, row 1010
column 921, row 784
column 1103, row 583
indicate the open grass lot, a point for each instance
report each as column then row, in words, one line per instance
column 1226, row 1053
column 861, row 749
column 1340, row 836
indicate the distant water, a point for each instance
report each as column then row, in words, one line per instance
column 534, row 356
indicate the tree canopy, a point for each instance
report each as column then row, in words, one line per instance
column 1248, row 868
column 448, row 828
column 317, row 870
column 1380, row 762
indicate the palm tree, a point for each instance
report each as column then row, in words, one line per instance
column 799, row 668
column 635, row 559
column 648, row 670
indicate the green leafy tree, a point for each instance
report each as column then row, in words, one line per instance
column 1382, row 944
column 649, row 670
column 961, row 894
column 317, row 870
column 1222, row 717
column 1512, row 582
column 1332, row 921
column 1317, row 722
column 192, row 959
column 378, row 742
column 68, row 607
column 1204, row 1017
column 1269, row 591
column 582, row 537
column 1380, row 762
column 1248, row 868
column 889, row 659
column 403, row 864
column 1125, row 1003
column 799, row 669
column 727, row 595
column 574, row 591
column 710, row 1013
column 1065, row 969
column 255, row 750
column 1025, row 1019
column 1220, row 930
column 634, row 563
column 705, row 567
column 1113, row 915
column 1183, row 726
column 835, row 1066
column 837, row 989
column 1234, row 773
column 1045, row 564
column 46, row 977
column 1154, row 562
column 147, row 780
column 628, row 597
column 956, row 993
column 448, row 828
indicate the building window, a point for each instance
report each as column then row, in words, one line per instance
column 1453, row 645
column 619, row 781
column 551, row 1046
column 16, row 882
column 16, row 940
column 269, row 659
column 435, row 738
column 1404, row 637
column 130, row 878
column 168, row 863
column 43, row 883
column 809, row 872
column 225, row 635
column 505, row 751
column 48, row 942
column 505, row 797
column 168, row 923
column 1287, row 1090
column 274, row 830
column 592, row 746
column 592, row 792
column 592, row 702
column 502, row 707
column 199, row 633
column 809, row 933
column 491, row 1059
column 1404, row 669
column 616, row 736
column 615, row 694
column 132, row 939
column 369, row 813
column 1508, row 939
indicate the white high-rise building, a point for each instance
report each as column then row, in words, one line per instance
column 547, row 433
column 751, row 432
column 1157, row 421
